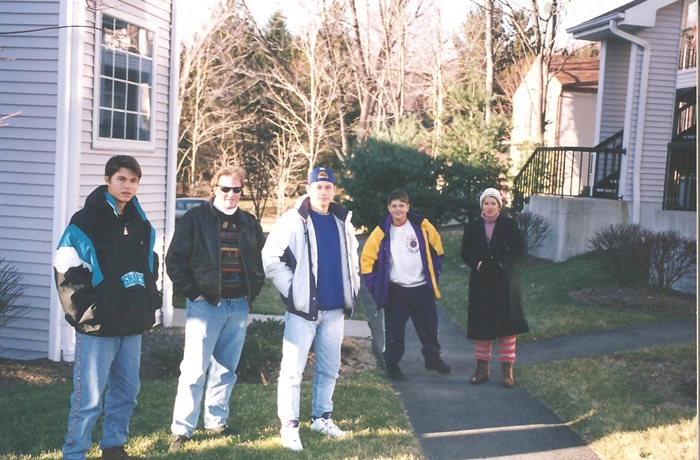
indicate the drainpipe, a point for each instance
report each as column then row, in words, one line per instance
column 641, row 116
column 171, row 161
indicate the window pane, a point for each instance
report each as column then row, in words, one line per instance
column 145, row 128
column 119, row 95
column 108, row 63
column 133, row 68
column 105, row 123
column 132, row 126
column 146, row 65
column 132, row 97
column 118, row 125
column 120, row 65
column 106, row 92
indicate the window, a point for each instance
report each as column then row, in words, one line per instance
column 125, row 81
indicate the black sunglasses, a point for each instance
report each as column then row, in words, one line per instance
column 228, row 189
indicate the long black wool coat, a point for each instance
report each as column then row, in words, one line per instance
column 495, row 303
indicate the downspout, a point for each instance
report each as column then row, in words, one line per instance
column 171, row 161
column 67, row 159
column 641, row 116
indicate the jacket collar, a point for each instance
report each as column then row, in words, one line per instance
column 303, row 207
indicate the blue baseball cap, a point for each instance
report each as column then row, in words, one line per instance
column 321, row 174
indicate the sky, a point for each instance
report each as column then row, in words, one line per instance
column 193, row 13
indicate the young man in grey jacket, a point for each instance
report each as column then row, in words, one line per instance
column 311, row 255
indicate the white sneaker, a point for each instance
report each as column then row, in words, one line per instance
column 290, row 438
column 327, row 427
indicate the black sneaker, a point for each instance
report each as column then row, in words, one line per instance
column 394, row 372
column 437, row 364
column 221, row 430
column 115, row 453
column 177, row 442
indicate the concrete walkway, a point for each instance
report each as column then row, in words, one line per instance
column 454, row 420
column 353, row 328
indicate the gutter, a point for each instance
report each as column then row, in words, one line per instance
column 641, row 113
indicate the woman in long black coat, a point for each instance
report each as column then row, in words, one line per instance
column 492, row 245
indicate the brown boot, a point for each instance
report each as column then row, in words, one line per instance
column 507, row 371
column 482, row 372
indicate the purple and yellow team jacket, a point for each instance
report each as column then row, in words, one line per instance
column 376, row 257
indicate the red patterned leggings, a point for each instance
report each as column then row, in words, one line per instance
column 506, row 349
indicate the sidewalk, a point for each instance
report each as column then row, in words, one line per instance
column 454, row 420
column 353, row 328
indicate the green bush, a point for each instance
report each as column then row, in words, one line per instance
column 262, row 351
column 624, row 251
column 440, row 189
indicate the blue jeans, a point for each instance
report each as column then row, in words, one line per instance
column 327, row 334
column 214, row 337
column 100, row 362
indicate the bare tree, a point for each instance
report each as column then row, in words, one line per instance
column 209, row 80
column 540, row 38
column 488, row 51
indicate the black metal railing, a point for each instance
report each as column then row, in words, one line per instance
column 685, row 116
column 571, row 171
column 680, row 186
column 688, row 54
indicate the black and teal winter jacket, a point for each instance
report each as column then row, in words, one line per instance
column 106, row 270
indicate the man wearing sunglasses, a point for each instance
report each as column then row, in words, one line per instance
column 214, row 261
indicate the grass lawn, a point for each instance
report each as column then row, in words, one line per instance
column 370, row 411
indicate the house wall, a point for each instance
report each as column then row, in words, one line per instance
column 29, row 85
column 658, row 122
column 573, row 221
column 577, row 119
column 553, row 107
column 522, row 125
column 31, row 151
column 613, row 87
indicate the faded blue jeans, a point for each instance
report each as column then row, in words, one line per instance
column 111, row 362
column 214, row 337
column 327, row 335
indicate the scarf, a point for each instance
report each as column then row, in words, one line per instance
column 489, row 224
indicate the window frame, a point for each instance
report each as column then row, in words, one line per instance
column 107, row 143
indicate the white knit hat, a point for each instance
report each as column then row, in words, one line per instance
column 490, row 192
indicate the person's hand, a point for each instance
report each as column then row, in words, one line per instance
column 489, row 267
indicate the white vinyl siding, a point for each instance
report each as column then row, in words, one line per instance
column 29, row 76
column 660, row 100
column 617, row 55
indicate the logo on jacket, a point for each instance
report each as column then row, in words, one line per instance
column 132, row 279
column 412, row 244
